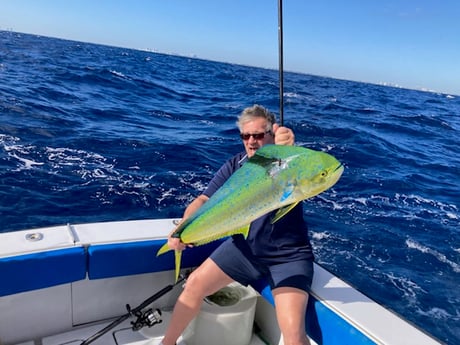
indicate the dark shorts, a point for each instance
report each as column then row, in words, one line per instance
column 247, row 269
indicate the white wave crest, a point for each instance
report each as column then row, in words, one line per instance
column 28, row 163
column 118, row 74
column 320, row 235
column 19, row 152
column 426, row 250
column 410, row 289
column 435, row 313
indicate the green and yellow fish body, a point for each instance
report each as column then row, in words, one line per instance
column 276, row 177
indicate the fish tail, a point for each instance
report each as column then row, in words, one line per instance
column 163, row 249
column 178, row 257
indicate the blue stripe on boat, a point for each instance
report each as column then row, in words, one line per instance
column 121, row 259
column 39, row 270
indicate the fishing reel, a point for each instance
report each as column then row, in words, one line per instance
column 148, row 318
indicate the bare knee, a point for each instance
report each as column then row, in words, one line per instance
column 195, row 286
column 206, row 280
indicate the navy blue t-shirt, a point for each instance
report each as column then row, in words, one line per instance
column 285, row 239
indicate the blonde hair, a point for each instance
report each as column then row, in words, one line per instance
column 256, row 112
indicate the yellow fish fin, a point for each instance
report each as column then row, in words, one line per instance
column 244, row 231
column 282, row 211
column 178, row 257
column 163, row 249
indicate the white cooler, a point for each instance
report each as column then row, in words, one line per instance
column 226, row 318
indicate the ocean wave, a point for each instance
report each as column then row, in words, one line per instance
column 411, row 244
column 409, row 289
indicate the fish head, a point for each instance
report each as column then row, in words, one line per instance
column 296, row 172
column 316, row 172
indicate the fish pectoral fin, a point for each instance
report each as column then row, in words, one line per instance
column 283, row 211
column 178, row 257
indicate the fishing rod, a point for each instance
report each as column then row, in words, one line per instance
column 144, row 318
column 280, row 58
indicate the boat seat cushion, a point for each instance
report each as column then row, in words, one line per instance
column 39, row 270
column 120, row 259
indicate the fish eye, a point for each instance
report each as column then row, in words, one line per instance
column 323, row 173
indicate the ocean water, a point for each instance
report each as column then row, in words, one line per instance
column 93, row 133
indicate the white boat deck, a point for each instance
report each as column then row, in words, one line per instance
column 120, row 335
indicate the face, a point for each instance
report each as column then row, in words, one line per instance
column 257, row 126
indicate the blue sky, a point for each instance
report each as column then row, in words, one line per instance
column 409, row 43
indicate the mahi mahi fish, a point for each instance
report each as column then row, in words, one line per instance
column 276, row 177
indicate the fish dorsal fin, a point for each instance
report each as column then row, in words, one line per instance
column 274, row 158
column 277, row 152
column 263, row 160
column 283, row 211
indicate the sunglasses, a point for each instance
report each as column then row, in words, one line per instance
column 256, row 136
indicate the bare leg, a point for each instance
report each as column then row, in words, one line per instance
column 204, row 281
column 291, row 306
